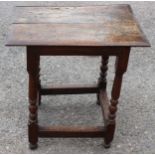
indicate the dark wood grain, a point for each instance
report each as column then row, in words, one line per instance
column 77, row 50
column 71, row 89
column 102, row 81
column 121, row 67
column 76, row 26
column 71, row 131
column 33, row 70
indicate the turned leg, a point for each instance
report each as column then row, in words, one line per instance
column 121, row 67
column 33, row 69
column 102, row 82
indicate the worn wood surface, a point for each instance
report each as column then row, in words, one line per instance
column 76, row 15
column 71, row 131
column 109, row 25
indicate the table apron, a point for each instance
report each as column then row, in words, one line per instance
column 76, row 51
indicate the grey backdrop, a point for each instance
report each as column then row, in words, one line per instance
column 136, row 115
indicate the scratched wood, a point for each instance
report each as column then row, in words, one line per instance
column 109, row 25
column 90, row 14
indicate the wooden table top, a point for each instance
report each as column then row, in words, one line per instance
column 106, row 25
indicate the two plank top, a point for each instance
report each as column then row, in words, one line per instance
column 106, row 25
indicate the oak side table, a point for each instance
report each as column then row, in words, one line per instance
column 106, row 30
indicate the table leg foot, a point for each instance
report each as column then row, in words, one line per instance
column 106, row 145
column 33, row 146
